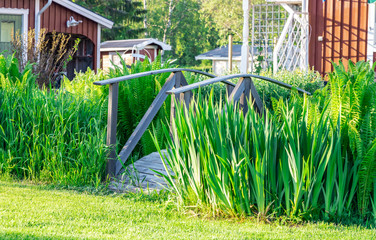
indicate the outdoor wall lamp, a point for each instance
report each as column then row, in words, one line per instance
column 72, row 22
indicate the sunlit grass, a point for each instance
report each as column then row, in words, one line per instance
column 39, row 212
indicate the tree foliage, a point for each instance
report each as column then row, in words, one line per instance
column 126, row 15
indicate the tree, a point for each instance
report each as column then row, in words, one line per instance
column 226, row 16
column 181, row 24
column 127, row 16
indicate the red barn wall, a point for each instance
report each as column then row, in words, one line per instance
column 55, row 19
column 25, row 4
column 343, row 26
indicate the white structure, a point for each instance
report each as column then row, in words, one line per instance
column 371, row 42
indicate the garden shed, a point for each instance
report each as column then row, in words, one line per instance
column 219, row 58
column 130, row 50
column 61, row 16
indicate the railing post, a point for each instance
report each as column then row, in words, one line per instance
column 229, row 88
column 113, row 97
column 245, row 96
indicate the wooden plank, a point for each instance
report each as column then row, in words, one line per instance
column 178, row 76
column 337, row 32
column 143, row 74
column 145, row 121
column 245, row 95
column 186, row 97
column 111, row 128
column 238, row 91
column 229, row 90
column 257, row 102
column 220, row 79
column 363, row 30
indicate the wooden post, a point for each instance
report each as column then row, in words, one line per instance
column 176, row 97
column 230, row 53
column 251, row 95
column 245, row 96
column 229, row 88
column 111, row 129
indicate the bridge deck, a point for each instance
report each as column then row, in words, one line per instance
column 139, row 175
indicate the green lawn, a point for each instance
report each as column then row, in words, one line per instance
column 37, row 212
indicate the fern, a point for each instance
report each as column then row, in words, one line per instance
column 135, row 97
column 353, row 95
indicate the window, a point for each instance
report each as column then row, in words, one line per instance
column 7, row 31
column 12, row 21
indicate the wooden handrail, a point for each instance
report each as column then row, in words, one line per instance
column 176, row 84
column 225, row 78
column 144, row 74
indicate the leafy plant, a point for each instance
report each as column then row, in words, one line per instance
column 351, row 95
column 136, row 96
column 236, row 164
column 48, row 56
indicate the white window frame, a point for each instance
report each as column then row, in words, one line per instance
column 25, row 24
column 18, row 11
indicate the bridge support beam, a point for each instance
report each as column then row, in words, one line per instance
column 113, row 97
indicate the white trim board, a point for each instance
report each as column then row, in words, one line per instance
column 18, row 11
column 98, row 63
column 123, row 49
column 371, row 38
column 85, row 13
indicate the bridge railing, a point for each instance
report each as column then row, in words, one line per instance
column 176, row 85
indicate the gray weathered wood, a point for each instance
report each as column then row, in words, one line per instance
column 145, row 121
column 229, row 90
column 238, row 91
column 225, row 78
column 257, row 102
column 186, row 97
column 113, row 97
column 178, row 77
column 245, row 96
column 143, row 74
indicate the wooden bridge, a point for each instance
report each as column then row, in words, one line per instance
column 177, row 86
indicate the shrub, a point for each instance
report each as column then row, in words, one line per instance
column 306, row 80
column 49, row 55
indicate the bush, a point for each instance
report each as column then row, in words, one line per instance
column 49, row 56
column 306, row 80
column 56, row 137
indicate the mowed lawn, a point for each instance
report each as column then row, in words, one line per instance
column 38, row 212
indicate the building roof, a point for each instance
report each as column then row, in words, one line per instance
column 85, row 12
column 121, row 45
column 221, row 53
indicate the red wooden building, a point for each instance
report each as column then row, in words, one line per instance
column 62, row 16
column 340, row 29
column 130, row 50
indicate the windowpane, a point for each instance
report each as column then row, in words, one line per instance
column 7, row 31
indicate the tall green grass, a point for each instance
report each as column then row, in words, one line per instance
column 254, row 165
column 312, row 157
column 50, row 136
